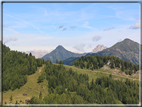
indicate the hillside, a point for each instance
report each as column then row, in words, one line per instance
column 69, row 61
column 127, row 50
column 57, row 83
column 16, row 67
column 33, row 89
column 97, row 62
column 60, row 53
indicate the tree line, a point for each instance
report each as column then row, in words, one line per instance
column 98, row 61
column 16, row 67
column 66, row 86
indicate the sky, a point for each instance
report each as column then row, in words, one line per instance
column 78, row 27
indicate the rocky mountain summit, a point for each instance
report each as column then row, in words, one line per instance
column 98, row 48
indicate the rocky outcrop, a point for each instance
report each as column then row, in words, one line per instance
column 98, row 48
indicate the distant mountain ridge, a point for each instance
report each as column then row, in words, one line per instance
column 98, row 48
column 127, row 50
column 60, row 53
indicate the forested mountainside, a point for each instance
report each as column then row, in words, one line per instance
column 98, row 61
column 16, row 67
column 66, row 86
column 127, row 50
column 60, row 53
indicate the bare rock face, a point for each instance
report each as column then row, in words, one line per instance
column 106, row 67
column 98, row 48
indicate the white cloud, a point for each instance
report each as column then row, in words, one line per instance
column 10, row 30
column 6, row 40
column 73, row 27
column 135, row 26
column 108, row 29
column 79, row 47
column 125, row 13
column 86, row 25
column 38, row 53
column 25, row 22
column 96, row 38
column 49, row 42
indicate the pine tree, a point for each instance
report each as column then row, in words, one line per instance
column 16, row 102
column 110, row 75
column 30, row 54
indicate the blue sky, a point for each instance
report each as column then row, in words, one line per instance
column 79, row 27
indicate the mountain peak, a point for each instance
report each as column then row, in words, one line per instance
column 98, row 48
column 59, row 47
column 60, row 53
column 127, row 40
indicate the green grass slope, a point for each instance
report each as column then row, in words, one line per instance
column 32, row 88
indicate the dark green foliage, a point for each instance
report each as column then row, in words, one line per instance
column 5, row 49
column 10, row 98
column 96, row 62
column 125, row 92
column 41, row 77
column 39, row 62
column 16, row 67
column 60, row 89
column 57, row 75
column 35, row 100
column 69, row 87
column 61, row 62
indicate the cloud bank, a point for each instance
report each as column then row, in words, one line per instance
column 6, row 40
column 38, row 53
